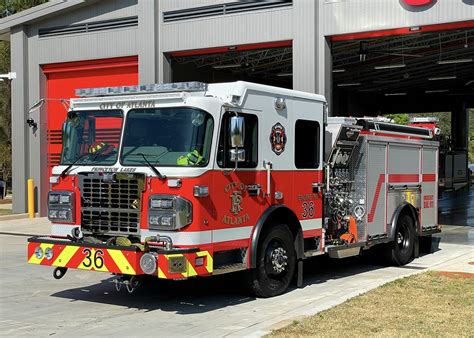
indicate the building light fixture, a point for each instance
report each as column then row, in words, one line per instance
column 338, row 70
column 395, row 94
column 390, row 66
column 234, row 65
column 469, row 82
column 436, row 91
column 284, row 74
column 386, row 81
column 440, row 78
column 349, row 84
column 453, row 61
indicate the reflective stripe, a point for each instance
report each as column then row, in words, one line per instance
column 311, row 224
column 121, row 262
column 34, row 260
column 62, row 229
column 202, row 237
column 232, row 234
column 65, row 256
column 209, row 261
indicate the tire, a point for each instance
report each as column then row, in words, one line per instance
column 400, row 251
column 276, row 262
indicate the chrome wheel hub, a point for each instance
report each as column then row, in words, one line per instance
column 399, row 238
column 279, row 259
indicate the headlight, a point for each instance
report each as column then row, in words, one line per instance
column 61, row 206
column 148, row 263
column 53, row 198
column 161, row 203
column 48, row 253
column 169, row 212
column 39, row 252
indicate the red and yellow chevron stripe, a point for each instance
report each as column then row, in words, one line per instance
column 121, row 261
column 167, row 262
column 87, row 258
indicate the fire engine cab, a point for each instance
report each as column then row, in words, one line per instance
column 182, row 180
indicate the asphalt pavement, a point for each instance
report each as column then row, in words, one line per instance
column 86, row 303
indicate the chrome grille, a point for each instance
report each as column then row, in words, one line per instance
column 110, row 203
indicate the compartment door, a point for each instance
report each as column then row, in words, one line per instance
column 376, row 189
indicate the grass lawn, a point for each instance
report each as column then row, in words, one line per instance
column 426, row 304
column 5, row 212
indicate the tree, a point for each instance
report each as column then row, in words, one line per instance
column 399, row 118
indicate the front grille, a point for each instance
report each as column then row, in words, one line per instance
column 110, row 203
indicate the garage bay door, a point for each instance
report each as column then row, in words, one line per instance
column 63, row 79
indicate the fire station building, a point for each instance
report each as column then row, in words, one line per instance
column 368, row 57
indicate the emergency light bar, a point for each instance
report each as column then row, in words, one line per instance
column 391, row 128
column 430, row 119
column 149, row 88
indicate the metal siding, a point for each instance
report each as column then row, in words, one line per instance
column 20, row 131
column 148, row 41
column 376, row 188
column 305, row 46
column 232, row 29
column 173, row 5
column 350, row 16
column 101, row 10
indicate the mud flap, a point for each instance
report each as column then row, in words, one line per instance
column 299, row 273
column 416, row 247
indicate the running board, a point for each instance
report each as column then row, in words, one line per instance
column 344, row 251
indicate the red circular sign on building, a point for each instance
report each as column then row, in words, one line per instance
column 418, row 2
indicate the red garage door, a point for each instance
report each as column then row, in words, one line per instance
column 64, row 78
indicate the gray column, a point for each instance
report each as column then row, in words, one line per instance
column 460, row 126
column 304, row 45
column 148, row 41
column 19, row 64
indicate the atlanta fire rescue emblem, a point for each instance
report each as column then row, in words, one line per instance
column 278, row 138
column 236, row 198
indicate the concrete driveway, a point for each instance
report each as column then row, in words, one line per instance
column 85, row 303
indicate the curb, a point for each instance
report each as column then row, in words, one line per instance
column 15, row 216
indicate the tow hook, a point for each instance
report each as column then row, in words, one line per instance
column 59, row 272
column 131, row 284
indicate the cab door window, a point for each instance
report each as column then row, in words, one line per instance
column 250, row 142
column 307, row 144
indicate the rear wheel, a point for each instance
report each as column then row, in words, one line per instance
column 276, row 259
column 400, row 251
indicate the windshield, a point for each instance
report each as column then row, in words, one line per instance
column 167, row 137
column 91, row 137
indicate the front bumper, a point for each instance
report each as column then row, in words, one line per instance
column 171, row 264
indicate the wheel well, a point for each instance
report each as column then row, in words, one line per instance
column 404, row 208
column 274, row 215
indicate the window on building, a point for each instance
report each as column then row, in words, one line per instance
column 250, row 142
column 307, row 148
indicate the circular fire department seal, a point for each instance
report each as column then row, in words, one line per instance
column 278, row 138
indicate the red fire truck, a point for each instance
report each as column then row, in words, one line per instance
column 186, row 180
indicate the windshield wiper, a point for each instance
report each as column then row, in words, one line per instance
column 64, row 172
column 160, row 176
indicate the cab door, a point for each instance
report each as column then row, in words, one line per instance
column 237, row 192
column 308, row 127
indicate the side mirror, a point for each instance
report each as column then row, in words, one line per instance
column 36, row 106
column 236, row 133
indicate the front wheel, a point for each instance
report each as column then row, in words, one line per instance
column 400, row 251
column 276, row 260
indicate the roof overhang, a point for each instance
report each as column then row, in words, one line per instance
column 37, row 13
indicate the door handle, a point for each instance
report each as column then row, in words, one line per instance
column 254, row 189
column 317, row 187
